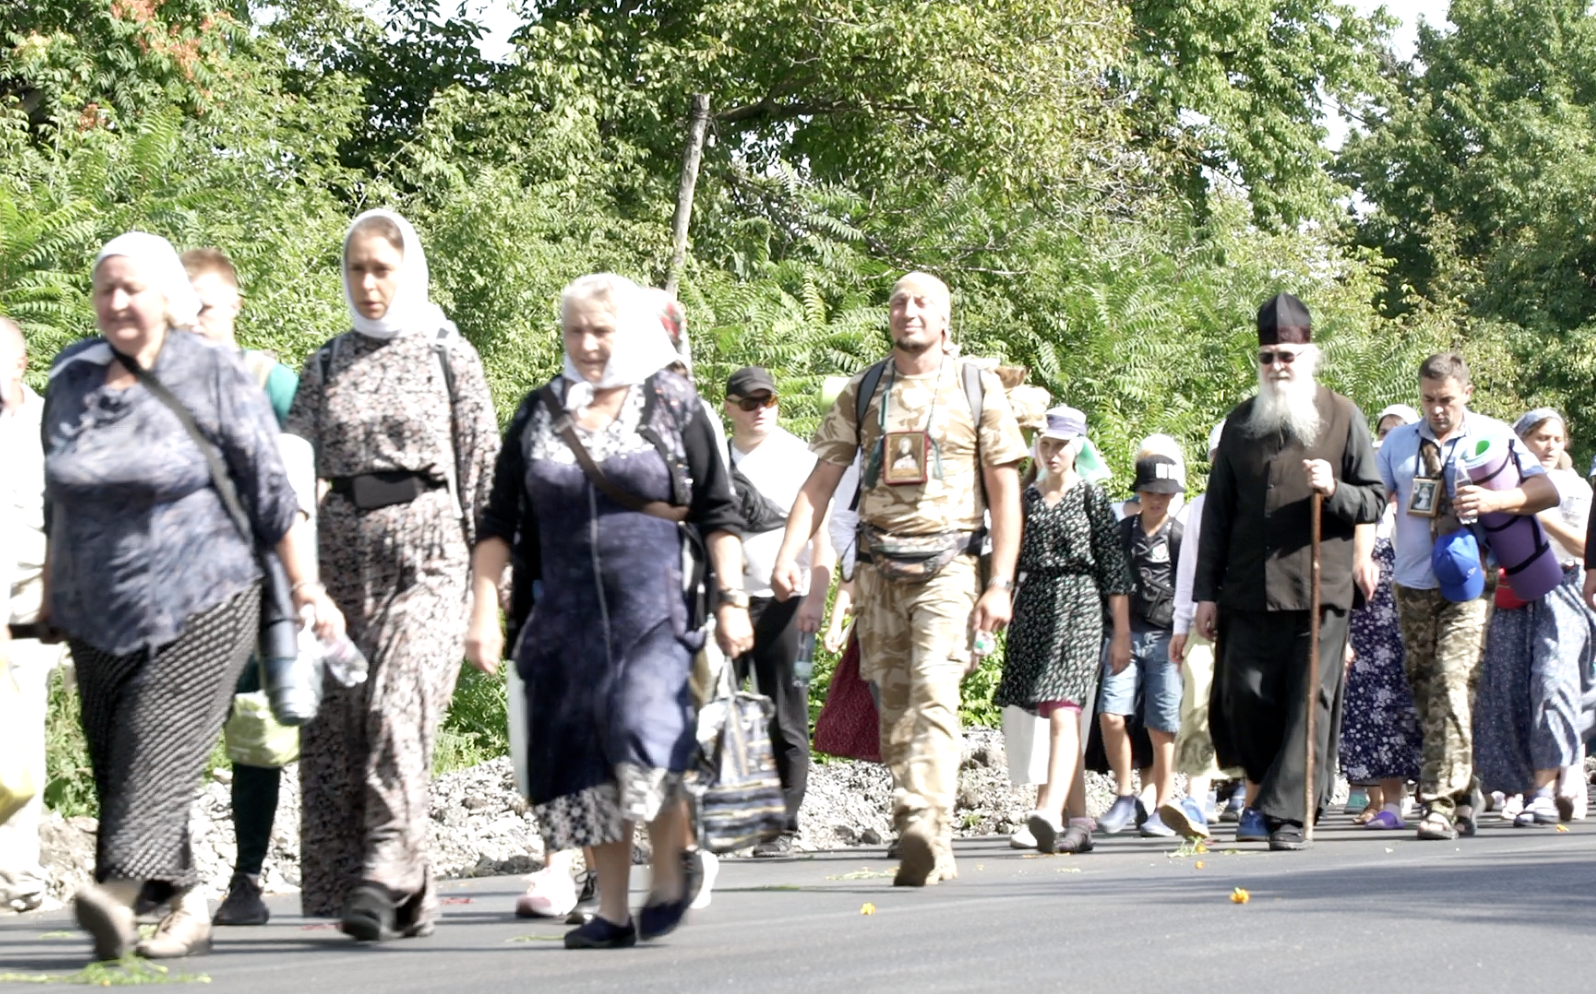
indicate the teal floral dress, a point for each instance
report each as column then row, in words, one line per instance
column 1070, row 560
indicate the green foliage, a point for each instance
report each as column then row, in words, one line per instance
column 476, row 727
column 70, row 787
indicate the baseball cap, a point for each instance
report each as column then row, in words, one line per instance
column 1456, row 562
column 1064, row 423
column 1157, row 475
column 748, row 381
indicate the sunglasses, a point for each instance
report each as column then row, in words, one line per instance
column 1268, row 358
column 752, row 404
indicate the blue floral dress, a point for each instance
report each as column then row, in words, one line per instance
column 1380, row 735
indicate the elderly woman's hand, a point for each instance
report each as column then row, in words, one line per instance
column 733, row 631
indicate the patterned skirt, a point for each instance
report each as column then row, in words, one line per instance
column 151, row 719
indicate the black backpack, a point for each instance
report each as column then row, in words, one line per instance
column 974, row 392
column 1154, row 606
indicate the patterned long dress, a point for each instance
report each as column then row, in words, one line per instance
column 399, row 574
column 1380, row 735
column 1070, row 560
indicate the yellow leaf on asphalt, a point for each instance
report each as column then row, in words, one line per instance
column 867, row 909
column 1200, row 864
column 1239, row 896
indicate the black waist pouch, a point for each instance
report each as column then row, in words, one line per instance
column 369, row 491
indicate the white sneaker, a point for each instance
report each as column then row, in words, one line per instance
column 1513, row 807
column 705, row 890
column 550, row 893
column 1022, row 838
column 1044, row 832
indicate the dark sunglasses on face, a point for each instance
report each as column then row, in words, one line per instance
column 752, row 404
column 1268, row 358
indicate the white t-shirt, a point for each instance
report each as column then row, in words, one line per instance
column 22, row 509
column 778, row 467
column 1574, row 497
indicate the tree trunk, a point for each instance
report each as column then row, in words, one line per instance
column 697, row 127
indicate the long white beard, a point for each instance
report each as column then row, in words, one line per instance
column 1286, row 406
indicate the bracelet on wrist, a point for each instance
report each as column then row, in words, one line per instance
column 303, row 583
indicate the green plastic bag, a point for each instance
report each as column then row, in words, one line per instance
column 254, row 737
column 18, row 781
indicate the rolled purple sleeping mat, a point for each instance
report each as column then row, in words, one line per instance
column 1517, row 540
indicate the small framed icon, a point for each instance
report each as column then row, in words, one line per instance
column 1425, row 500
column 906, row 455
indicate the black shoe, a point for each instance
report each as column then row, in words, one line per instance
column 369, row 913
column 243, row 904
column 771, row 848
column 1286, row 836
column 601, row 934
column 895, row 849
column 660, row 918
column 586, row 899
column 1141, row 813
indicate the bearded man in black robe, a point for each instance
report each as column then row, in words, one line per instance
column 1253, row 586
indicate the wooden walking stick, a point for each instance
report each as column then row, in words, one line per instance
column 1310, row 789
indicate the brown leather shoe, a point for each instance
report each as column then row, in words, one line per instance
column 181, row 933
column 105, row 918
column 918, row 859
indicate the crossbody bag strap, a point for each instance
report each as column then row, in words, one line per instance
column 451, row 471
column 566, row 429
column 220, row 478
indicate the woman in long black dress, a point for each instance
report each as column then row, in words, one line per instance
column 1070, row 560
column 608, row 647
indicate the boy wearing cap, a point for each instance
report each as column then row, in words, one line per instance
column 1151, row 540
column 1439, row 582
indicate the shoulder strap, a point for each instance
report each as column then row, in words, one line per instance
column 220, row 478
column 564, row 427
column 451, row 472
column 861, row 404
column 975, row 393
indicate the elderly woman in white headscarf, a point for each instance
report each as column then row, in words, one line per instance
column 152, row 582
column 596, row 471
column 402, row 422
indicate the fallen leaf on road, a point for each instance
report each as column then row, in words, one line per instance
column 865, row 874
column 1562, row 828
column 867, row 909
column 1239, row 896
column 1200, row 864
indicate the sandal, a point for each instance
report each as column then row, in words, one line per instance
column 1367, row 815
column 1436, row 827
column 1386, row 820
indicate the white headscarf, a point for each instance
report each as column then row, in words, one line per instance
column 639, row 349
column 409, row 312
column 162, row 271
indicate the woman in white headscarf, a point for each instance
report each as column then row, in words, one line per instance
column 607, row 649
column 150, row 579
column 402, row 422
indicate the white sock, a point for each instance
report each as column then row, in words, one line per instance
column 1394, row 807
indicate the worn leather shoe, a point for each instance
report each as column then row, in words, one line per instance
column 107, row 920
column 1286, row 836
column 369, row 913
column 918, row 857
column 181, row 933
column 601, row 934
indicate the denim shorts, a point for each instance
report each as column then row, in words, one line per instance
column 1151, row 671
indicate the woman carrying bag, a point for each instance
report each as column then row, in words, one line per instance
column 150, row 577
column 606, row 464
column 399, row 413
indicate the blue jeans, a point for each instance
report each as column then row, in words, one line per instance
column 1150, row 671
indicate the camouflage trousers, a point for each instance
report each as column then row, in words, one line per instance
column 914, row 645
column 1443, row 646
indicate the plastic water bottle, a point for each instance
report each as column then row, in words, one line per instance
column 345, row 663
column 1460, row 478
column 803, row 668
column 985, row 644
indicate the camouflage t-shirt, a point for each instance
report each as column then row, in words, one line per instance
column 950, row 499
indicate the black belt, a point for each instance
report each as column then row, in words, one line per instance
column 33, row 630
column 369, row 491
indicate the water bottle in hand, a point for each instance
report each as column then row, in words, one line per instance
column 803, row 668
column 345, row 663
column 1460, row 479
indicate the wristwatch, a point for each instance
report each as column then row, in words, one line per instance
column 732, row 595
column 1000, row 583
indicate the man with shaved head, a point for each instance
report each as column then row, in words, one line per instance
column 22, row 595
column 922, row 602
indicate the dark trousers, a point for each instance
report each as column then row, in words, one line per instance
column 1258, row 710
column 254, row 810
column 771, row 661
column 255, row 790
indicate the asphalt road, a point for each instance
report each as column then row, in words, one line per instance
column 1360, row 911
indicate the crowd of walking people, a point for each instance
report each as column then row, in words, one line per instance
column 1403, row 601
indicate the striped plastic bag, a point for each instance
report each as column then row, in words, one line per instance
column 18, row 780
column 741, row 803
